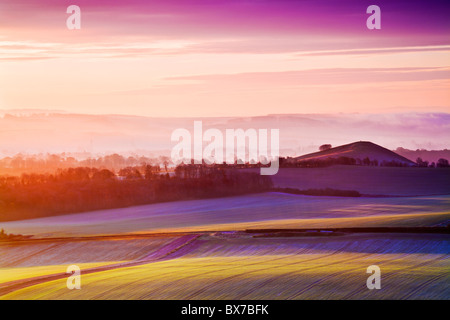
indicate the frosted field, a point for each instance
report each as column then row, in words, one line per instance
column 233, row 266
column 250, row 211
column 75, row 252
column 202, row 263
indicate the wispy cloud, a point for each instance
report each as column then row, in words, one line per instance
column 321, row 76
column 23, row 50
column 376, row 51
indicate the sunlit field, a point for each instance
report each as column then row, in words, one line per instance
column 239, row 267
column 14, row 274
column 200, row 249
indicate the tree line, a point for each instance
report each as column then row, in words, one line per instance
column 48, row 163
column 441, row 163
column 85, row 189
column 320, row 163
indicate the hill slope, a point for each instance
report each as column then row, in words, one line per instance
column 358, row 150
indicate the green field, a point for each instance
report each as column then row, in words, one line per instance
column 225, row 266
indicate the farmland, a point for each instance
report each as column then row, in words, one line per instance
column 267, row 210
column 391, row 181
column 236, row 266
column 203, row 249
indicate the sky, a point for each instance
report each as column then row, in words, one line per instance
column 203, row 58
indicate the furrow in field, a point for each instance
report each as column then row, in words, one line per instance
column 278, row 278
column 163, row 252
column 223, row 280
column 34, row 254
column 423, row 285
column 392, row 274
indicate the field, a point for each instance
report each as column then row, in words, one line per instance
column 237, row 213
column 393, row 181
column 236, row 266
column 200, row 249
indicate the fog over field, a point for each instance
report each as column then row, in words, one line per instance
column 31, row 132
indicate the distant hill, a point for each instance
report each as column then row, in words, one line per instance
column 358, row 150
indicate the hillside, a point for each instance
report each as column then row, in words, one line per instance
column 358, row 150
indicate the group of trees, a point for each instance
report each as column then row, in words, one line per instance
column 50, row 162
column 325, row 147
column 441, row 163
column 319, row 163
column 326, row 162
column 85, row 189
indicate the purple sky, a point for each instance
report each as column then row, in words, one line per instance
column 225, row 58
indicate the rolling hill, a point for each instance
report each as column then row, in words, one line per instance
column 358, row 150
